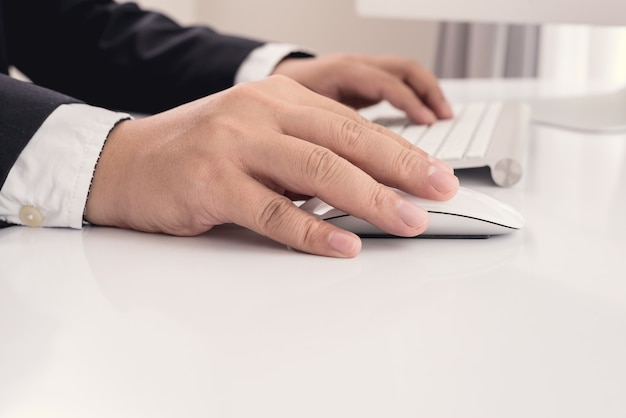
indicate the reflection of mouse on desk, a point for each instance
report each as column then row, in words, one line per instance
column 468, row 214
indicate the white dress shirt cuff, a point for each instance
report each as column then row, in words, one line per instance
column 49, row 183
column 261, row 62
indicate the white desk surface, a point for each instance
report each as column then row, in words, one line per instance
column 112, row 323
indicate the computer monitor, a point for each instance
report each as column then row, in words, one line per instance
column 598, row 113
column 596, row 12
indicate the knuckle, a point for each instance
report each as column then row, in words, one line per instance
column 310, row 233
column 253, row 94
column 380, row 198
column 282, row 83
column 407, row 162
column 350, row 133
column 243, row 90
column 273, row 215
column 280, row 79
column 277, row 219
column 322, row 165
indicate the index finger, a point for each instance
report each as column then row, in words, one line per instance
column 382, row 154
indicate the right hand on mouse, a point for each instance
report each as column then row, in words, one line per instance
column 235, row 156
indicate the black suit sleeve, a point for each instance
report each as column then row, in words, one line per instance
column 106, row 54
column 118, row 56
column 23, row 108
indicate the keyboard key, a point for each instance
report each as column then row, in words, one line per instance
column 396, row 125
column 462, row 133
column 479, row 146
column 434, row 136
column 413, row 132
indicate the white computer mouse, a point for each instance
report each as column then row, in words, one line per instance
column 468, row 214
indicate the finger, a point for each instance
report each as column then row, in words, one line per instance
column 374, row 84
column 313, row 170
column 276, row 217
column 389, row 159
column 426, row 86
column 295, row 94
column 420, row 80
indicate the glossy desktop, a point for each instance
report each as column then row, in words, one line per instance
column 112, row 323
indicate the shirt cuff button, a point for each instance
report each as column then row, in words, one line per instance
column 31, row 216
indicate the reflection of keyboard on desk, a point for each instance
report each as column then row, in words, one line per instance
column 482, row 134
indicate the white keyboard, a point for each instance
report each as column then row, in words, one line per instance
column 482, row 134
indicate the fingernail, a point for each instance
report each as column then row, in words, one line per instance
column 441, row 179
column 344, row 243
column 412, row 215
column 445, row 110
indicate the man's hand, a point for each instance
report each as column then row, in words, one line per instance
column 232, row 157
column 363, row 80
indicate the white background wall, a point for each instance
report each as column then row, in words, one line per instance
column 323, row 25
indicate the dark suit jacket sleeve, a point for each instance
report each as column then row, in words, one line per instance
column 23, row 108
column 106, row 54
column 118, row 56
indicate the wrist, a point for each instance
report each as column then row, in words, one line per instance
column 104, row 196
column 263, row 61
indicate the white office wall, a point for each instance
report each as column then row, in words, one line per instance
column 575, row 53
column 323, row 25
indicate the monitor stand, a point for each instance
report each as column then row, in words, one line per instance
column 598, row 113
